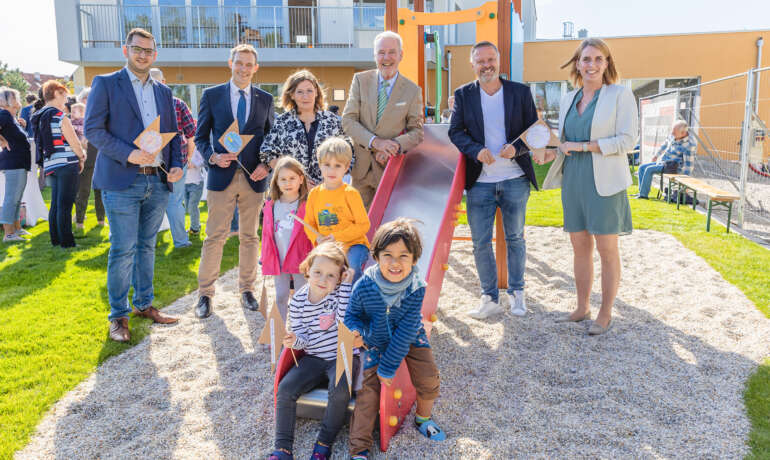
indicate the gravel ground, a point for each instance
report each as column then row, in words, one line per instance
column 665, row 382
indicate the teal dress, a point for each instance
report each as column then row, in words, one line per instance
column 584, row 208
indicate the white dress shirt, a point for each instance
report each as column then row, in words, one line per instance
column 235, row 96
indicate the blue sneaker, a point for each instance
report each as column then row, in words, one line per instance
column 321, row 452
column 280, row 455
column 430, row 430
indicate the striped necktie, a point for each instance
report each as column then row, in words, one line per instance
column 382, row 99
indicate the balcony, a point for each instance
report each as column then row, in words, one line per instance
column 280, row 31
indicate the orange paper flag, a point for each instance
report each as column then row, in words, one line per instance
column 273, row 335
column 151, row 140
column 345, row 340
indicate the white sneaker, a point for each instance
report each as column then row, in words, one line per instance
column 12, row 238
column 518, row 303
column 487, row 308
column 22, row 232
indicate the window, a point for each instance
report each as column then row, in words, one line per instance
column 183, row 93
column 673, row 83
column 275, row 89
column 137, row 13
column 547, row 97
column 369, row 14
column 173, row 29
column 205, row 22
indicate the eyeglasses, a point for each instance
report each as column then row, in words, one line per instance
column 140, row 50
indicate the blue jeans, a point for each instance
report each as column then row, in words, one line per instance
column 15, row 182
column 482, row 201
column 135, row 215
column 192, row 200
column 176, row 212
column 358, row 254
column 645, row 177
column 64, row 189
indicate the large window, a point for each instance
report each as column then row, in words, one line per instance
column 547, row 97
column 137, row 13
column 173, row 27
column 205, row 22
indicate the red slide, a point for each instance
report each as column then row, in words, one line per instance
column 425, row 184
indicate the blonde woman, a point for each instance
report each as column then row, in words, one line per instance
column 303, row 127
column 597, row 126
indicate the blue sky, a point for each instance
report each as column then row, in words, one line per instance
column 28, row 33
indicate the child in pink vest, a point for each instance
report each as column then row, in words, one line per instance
column 284, row 242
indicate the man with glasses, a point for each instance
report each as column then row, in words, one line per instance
column 233, row 179
column 135, row 184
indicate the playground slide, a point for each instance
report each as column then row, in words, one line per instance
column 425, row 184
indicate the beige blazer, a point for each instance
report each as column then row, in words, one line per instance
column 402, row 119
column 615, row 127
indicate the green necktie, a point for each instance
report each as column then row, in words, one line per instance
column 382, row 99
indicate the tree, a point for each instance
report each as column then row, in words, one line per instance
column 13, row 79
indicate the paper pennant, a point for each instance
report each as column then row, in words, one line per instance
column 263, row 299
column 539, row 136
column 273, row 335
column 151, row 140
column 345, row 340
column 233, row 141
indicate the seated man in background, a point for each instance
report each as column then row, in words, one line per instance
column 675, row 156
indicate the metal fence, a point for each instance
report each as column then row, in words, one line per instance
column 223, row 27
column 721, row 114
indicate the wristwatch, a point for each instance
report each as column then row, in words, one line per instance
column 585, row 146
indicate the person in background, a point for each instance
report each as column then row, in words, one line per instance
column 26, row 111
column 86, row 179
column 175, row 211
column 77, row 118
column 62, row 157
column 598, row 126
column 193, row 190
column 15, row 161
column 675, row 156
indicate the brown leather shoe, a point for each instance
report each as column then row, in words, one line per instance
column 119, row 330
column 153, row 314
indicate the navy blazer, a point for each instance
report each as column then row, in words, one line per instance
column 215, row 116
column 113, row 121
column 466, row 129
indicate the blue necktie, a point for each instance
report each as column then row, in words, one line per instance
column 241, row 110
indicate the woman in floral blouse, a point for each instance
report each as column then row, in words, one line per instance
column 303, row 127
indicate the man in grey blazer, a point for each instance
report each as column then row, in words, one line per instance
column 383, row 115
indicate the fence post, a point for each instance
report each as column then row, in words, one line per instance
column 745, row 143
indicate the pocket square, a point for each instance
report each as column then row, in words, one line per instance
column 399, row 104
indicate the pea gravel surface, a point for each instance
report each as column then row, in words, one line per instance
column 665, row 382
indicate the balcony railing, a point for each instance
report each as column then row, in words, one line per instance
column 223, row 27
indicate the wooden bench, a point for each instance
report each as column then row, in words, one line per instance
column 716, row 196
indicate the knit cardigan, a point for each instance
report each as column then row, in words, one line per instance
column 388, row 332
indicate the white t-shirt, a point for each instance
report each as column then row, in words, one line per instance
column 493, row 110
column 283, row 225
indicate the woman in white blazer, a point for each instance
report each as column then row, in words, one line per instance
column 598, row 125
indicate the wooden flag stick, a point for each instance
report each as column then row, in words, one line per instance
column 308, row 226
column 294, row 356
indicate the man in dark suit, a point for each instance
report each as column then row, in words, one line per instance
column 228, row 183
column 489, row 114
column 135, row 188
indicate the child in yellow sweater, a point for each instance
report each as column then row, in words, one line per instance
column 335, row 209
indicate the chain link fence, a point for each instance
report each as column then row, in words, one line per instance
column 721, row 114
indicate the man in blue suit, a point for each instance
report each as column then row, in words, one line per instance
column 489, row 114
column 134, row 186
column 233, row 179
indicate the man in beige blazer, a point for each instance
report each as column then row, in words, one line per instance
column 383, row 115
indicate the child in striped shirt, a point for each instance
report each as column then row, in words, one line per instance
column 314, row 311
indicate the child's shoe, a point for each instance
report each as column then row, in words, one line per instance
column 280, row 455
column 361, row 456
column 430, row 430
column 321, row 452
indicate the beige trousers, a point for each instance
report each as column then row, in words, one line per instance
column 221, row 206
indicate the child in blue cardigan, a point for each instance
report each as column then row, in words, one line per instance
column 385, row 311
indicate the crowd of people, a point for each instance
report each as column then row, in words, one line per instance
column 315, row 224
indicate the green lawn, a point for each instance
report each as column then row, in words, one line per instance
column 53, row 335
column 53, row 317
